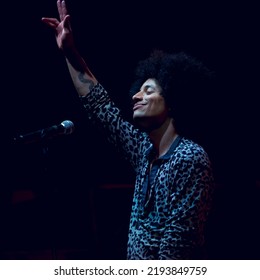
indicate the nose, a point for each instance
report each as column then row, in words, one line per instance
column 138, row 96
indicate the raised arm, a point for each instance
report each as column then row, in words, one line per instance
column 81, row 76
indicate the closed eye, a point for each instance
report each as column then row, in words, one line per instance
column 149, row 89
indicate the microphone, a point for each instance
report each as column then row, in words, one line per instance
column 64, row 128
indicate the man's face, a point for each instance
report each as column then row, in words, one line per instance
column 149, row 108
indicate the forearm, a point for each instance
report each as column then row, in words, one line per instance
column 82, row 77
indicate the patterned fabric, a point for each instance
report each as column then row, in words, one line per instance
column 167, row 221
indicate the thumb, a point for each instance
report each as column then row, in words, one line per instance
column 52, row 22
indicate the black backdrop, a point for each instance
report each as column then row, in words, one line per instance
column 65, row 177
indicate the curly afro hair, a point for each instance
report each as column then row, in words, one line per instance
column 185, row 81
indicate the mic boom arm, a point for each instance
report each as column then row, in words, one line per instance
column 64, row 128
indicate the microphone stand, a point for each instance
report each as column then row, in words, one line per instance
column 46, row 179
column 45, row 154
column 50, row 196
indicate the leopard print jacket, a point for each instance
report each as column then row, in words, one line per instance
column 167, row 221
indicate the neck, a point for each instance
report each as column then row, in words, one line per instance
column 163, row 137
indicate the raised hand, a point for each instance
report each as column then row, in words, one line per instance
column 62, row 27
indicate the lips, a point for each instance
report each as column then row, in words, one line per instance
column 138, row 105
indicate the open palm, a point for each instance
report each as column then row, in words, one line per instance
column 63, row 31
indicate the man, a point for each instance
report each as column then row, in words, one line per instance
column 173, row 174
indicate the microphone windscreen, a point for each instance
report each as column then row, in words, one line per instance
column 68, row 126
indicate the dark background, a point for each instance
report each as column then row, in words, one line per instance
column 71, row 198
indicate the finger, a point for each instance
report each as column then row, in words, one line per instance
column 60, row 10
column 64, row 8
column 52, row 22
column 67, row 22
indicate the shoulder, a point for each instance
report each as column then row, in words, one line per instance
column 191, row 151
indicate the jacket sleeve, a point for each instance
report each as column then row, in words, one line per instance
column 104, row 114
